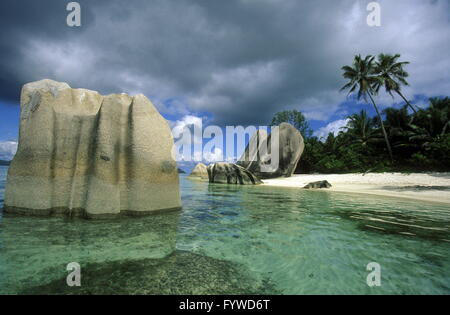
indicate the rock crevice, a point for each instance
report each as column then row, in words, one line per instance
column 259, row 159
column 228, row 173
column 82, row 153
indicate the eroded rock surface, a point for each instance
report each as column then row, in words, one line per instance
column 228, row 173
column 200, row 171
column 82, row 153
column 250, row 159
column 261, row 162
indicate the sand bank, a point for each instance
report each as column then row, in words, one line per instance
column 433, row 187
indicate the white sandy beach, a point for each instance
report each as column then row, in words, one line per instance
column 433, row 187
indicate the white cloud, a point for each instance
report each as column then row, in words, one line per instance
column 7, row 150
column 191, row 124
column 186, row 121
column 211, row 157
column 184, row 135
column 188, row 136
column 70, row 60
column 333, row 127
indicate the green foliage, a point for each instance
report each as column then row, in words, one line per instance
column 363, row 76
column 421, row 142
column 296, row 119
column 391, row 75
column 361, row 129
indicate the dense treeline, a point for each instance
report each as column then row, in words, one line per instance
column 420, row 142
column 398, row 139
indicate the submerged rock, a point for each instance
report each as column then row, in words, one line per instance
column 180, row 273
column 319, row 184
column 290, row 149
column 228, row 173
column 81, row 153
column 200, row 171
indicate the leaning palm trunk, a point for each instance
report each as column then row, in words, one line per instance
column 407, row 102
column 382, row 128
column 444, row 130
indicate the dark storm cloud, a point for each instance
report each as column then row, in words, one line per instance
column 20, row 22
column 240, row 60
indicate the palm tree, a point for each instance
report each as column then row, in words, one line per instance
column 362, row 76
column 434, row 121
column 440, row 114
column 361, row 129
column 429, row 125
column 392, row 75
column 331, row 144
column 403, row 133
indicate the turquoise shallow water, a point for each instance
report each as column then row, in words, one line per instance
column 237, row 240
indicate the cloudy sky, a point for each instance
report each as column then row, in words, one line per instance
column 233, row 62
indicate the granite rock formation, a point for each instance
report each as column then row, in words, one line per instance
column 228, row 173
column 290, row 149
column 250, row 159
column 81, row 153
column 200, row 171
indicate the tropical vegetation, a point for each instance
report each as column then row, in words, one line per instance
column 403, row 139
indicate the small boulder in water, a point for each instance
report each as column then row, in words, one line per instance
column 199, row 172
column 228, row 173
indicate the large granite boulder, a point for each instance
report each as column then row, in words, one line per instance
column 200, row 171
column 81, row 153
column 250, row 159
column 228, row 173
column 290, row 149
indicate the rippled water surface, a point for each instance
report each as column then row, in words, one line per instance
column 236, row 240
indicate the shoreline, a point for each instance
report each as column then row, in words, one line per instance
column 430, row 187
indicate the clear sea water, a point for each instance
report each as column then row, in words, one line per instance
column 236, row 240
